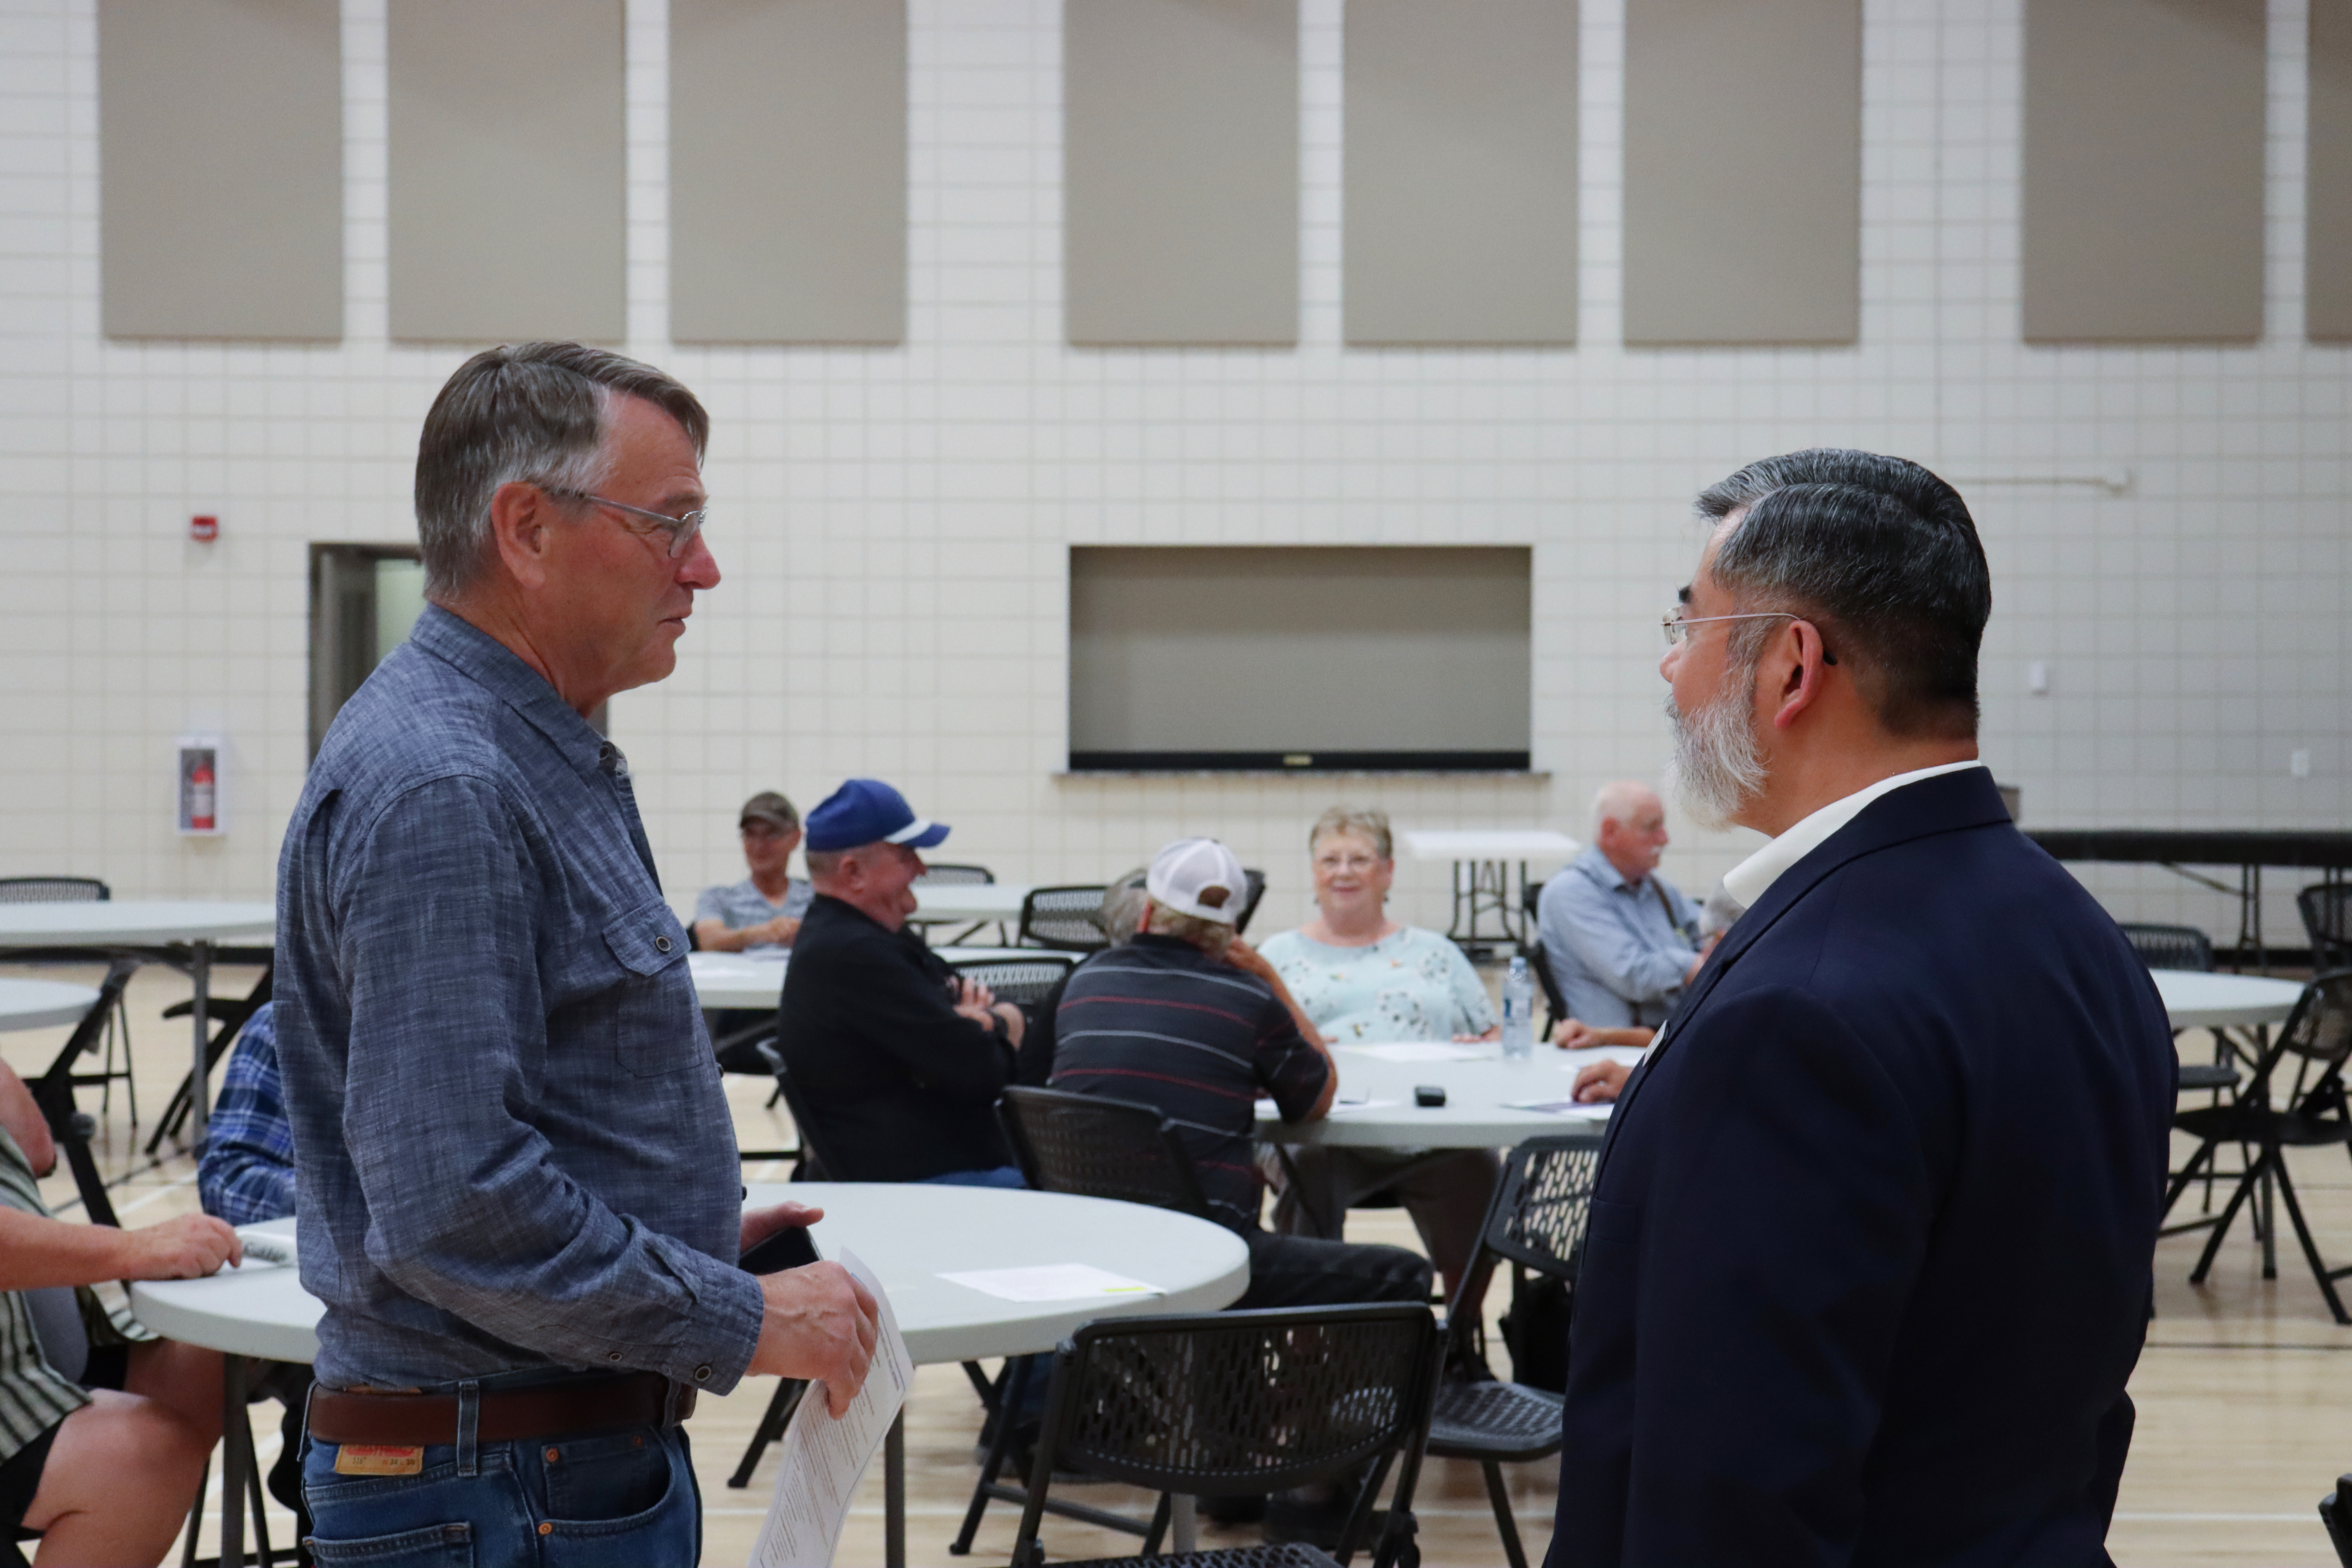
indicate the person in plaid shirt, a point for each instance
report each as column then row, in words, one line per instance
column 246, row 1173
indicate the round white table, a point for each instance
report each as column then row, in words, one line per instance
column 1478, row 1113
column 756, row 979
column 908, row 1235
column 149, row 927
column 2196, row 1000
column 38, row 1004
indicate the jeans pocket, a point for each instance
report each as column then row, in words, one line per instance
column 667, row 1530
column 435, row 1546
column 615, row 1477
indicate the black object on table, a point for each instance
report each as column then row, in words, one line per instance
column 2328, row 850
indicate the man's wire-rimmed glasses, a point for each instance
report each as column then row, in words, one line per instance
column 681, row 529
column 1676, row 621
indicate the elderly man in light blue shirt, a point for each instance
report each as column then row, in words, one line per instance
column 1622, row 941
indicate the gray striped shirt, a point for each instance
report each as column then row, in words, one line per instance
column 34, row 1396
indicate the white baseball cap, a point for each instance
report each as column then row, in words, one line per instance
column 1198, row 876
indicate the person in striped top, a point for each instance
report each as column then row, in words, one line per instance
column 1189, row 1020
column 104, row 1428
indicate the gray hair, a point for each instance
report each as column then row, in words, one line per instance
column 1211, row 937
column 529, row 413
column 1368, row 823
column 1122, row 907
column 1615, row 801
column 1882, row 556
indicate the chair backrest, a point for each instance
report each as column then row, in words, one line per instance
column 939, row 875
column 1233, row 1403
column 1253, row 890
column 1537, row 1217
column 2169, row 947
column 1024, row 982
column 1540, row 964
column 54, row 890
column 2317, row 1038
column 819, row 1155
column 2326, row 910
column 1100, row 1148
column 53, row 1091
column 1068, row 917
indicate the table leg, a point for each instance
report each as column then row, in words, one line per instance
column 894, row 1493
column 199, row 971
column 237, row 1439
column 1184, row 1526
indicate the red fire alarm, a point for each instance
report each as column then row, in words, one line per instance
column 204, row 530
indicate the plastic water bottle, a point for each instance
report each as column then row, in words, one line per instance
column 1519, row 1012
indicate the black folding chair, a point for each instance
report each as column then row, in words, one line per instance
column 2294, row 1100
column 2169, row 947
column 227, row 1018
column 84, row 890
column 1253, row 890
column 2336, row 1513
column 1100, row 1148
column 937, row 875
column 1239, row 1404
column 1536, row 1222
column 53, row 1091
column 2326, row 910
column 1069, row 919
column 1023, row 982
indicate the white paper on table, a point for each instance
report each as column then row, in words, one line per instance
column 1566, row 1110
column 1051, row 1282
column 1418, row 1051
column 824, row 1456
column 1267, row 1111
column 1623, row 1056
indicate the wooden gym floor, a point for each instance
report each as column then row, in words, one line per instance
column 2244, row 1390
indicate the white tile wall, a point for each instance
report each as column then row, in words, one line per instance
column 893, row 522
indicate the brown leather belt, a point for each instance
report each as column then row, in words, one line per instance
column 548, row 1410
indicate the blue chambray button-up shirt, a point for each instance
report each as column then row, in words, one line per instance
column 512, row 1148
column 1618, row 950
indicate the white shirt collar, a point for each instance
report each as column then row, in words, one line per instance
column 1748, row 881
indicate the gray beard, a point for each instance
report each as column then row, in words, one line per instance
column 1715, row 769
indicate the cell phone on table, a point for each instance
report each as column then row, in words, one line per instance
column 788, row 1248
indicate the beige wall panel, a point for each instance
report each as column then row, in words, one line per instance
column 788, row 170
column 506, row 207
column 2143, row 190
column 221, row 168
column 1287, row 649
column 1461, row 171
column 1743, row 171
column 1180, row 170
column 2327, row 256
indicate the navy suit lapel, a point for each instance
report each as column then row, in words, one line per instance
column 1944, row 804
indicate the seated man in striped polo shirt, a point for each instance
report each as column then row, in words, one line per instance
column 1189, row 1020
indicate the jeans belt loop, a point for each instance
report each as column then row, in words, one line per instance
column 469, row 1421
column 672, row 1397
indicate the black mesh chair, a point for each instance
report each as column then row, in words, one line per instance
column 2185, row 947
column 2294, row 1100
column 1023, row 982
column 936, row 874
column 2326, row 910
column 1253, row 890
column 1067, row 919
column 1242, row 1404
column 85, row 890
column 1100, row 1148
column 1536, row 1222
column 2336, row 1513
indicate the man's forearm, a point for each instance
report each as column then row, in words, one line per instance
column 37, row 1252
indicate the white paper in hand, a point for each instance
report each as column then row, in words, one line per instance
column 824, row 1456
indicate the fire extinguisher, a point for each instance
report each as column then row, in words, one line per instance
column 200, row 795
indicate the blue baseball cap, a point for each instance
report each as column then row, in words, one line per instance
column 867, row 811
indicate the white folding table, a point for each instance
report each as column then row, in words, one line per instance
column 1483, row 858
column 179, row 933
column 908, row 1235
column 40, row 1004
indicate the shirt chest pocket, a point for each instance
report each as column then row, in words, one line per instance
column 654, row 1021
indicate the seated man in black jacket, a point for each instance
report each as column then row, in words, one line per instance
column 897, row 1058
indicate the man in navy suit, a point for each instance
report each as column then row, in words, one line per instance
column 1869, row 1255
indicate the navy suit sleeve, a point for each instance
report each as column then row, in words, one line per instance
column 1787, row 1226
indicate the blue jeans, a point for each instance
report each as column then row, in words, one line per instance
column 616, row 1499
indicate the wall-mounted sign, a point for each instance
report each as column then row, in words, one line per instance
column 201, row 766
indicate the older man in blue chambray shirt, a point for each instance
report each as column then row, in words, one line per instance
column 1622, row 941
column 520, row 1195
